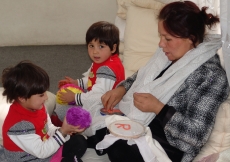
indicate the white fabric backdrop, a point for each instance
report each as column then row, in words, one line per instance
column 225, row 31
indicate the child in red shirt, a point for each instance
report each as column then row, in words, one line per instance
column 28, row 134
column 105, row 73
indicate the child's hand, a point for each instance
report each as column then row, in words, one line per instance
column 67, row 96
column 78, row 129
column 69, row 129
column 67, row 80
column 113, row 111
column 111, row 98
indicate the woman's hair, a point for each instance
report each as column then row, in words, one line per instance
column 104, row 32
column 24, row 80
column 185, row 20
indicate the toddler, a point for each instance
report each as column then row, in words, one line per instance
column 28, row 134
column 105, row 73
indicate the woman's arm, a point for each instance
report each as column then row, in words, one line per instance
column 196, row 103
column 129, row 81
column 111, row 98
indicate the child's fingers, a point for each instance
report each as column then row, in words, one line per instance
column 62, row 82
column 68, row 78
column 80, row 130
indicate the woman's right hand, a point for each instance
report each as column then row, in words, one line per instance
column 67, row 80
column 111, row 98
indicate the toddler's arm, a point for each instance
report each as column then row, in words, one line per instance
column 42, row 148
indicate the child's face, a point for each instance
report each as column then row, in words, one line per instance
column 35, row 102
column 99, row 52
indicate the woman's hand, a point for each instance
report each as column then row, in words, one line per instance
column 70, row 129
column 67, row 96
column 67, row 80
column 146, row 102
column 111, row 98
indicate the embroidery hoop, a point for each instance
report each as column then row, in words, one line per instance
column 127, row 129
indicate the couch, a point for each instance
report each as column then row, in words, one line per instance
column 136, row 20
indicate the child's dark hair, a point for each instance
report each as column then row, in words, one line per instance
column 105, row 32
column 24, row 80
column 185, row 20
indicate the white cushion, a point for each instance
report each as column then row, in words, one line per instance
column 169, row 1
column 121, row 49
column 4, row 107
column 219, row 139
column 141, row 37
column 151, row 4
column 50, row 102
column 121, row 8
column 120, row 23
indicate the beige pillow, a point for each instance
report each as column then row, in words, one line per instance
column 219, row 139
column 121, row 49
column 120, row 23
column 50, row 102
column 122, row 8
column 151, row 4
column 141, row 37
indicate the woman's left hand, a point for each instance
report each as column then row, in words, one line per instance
column 146, row 102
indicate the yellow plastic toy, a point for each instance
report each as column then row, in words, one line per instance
column 75, row 89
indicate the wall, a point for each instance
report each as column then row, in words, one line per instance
column 48, row 22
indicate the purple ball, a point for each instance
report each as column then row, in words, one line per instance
column 76, row 115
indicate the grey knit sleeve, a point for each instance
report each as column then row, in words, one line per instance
column 128, row 82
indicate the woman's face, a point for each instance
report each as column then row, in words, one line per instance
column 174, row 47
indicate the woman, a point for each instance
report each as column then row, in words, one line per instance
column 178, row 92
